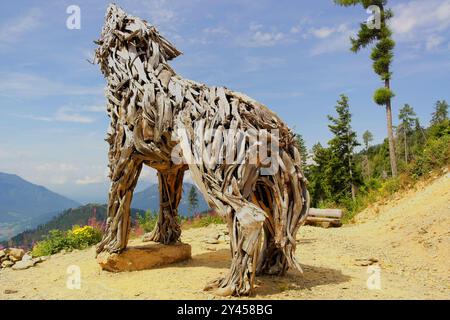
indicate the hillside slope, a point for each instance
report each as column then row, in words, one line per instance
column 409, row 237
column 149, row 199
column 64, row 221
column 25, row 205
column 22, row 199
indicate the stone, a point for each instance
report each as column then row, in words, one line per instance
column 27, row 257
column 16, row 254
column 22, row 265
column 7, row 264
column 2, row 253
column 144, row 257
column 211, row 240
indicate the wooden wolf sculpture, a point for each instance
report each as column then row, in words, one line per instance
column 164, row 121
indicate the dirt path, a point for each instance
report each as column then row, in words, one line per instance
column 410, row 238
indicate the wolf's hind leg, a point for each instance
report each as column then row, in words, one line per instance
column 168, row 230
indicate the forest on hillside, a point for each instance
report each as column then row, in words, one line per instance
column 341, row 177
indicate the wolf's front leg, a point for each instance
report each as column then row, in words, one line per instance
column 168, row 230
column 124, row 178
column 245, row 227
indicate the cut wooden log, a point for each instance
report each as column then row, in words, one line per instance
column 332, row 213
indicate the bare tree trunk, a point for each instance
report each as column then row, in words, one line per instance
column 406, row 147
column 392, row 156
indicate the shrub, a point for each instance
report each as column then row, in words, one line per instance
column 205, row 220
column 57, row 240
column 148, row 220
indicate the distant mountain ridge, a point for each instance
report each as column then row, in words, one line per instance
column 22, row 199
column 64, row 221
column 149, row 199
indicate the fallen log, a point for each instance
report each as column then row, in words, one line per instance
column 332, row 213
column 324, row 217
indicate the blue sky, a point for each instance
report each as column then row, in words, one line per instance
column 292, row 56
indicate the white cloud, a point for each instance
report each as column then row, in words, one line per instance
column 64, row 114
column 95, row 108
column 25, row 85
column 331, row 39
column 295, row 30
column 433, row 41
column 56, row 167
column 90, row 180
column 13, row 30
column 323, row 32
column 258, row 37
column 414, row 15
column 421, row 22
column 253, row 64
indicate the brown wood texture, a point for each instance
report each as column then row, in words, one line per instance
column 156, row 114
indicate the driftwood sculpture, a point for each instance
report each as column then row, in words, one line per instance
column 240, row 154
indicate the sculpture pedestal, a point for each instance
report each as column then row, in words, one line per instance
column 144, row 257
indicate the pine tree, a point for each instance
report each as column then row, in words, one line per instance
column 343, row 175
column 441, row 112
column 192, row 200
column 367, row 138
column 302, row 149
column 407, row 116
column 382, row 55
column 319, row 187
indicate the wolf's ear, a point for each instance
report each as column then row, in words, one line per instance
column 168, row 48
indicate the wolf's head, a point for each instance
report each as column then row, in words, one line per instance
column 120, row 32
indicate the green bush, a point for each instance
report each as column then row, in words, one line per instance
column 148, row 220
column 203, row 221
column 57, row 240
column 435, row 155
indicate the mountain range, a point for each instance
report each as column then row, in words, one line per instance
column 25, row 205
column 29, row 208
column 149, row 199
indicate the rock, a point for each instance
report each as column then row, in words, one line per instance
column 15, row 254
column 7, row 264
column 27, row 257
column 22, row 265
column 210, row 240
column 144, row 257
column 2, row 253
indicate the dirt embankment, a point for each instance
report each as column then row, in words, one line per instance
column 406, row 240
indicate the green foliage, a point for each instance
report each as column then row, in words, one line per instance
column 57, row 240
column 441, row 112
column 367, row 138
column 193, row 199
column 428, row 151
column 334, row 173
column 300, row 142
column 64, row 221
column 201, row 221
column 382, row 96
column 148, row 220
column 436, row 154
